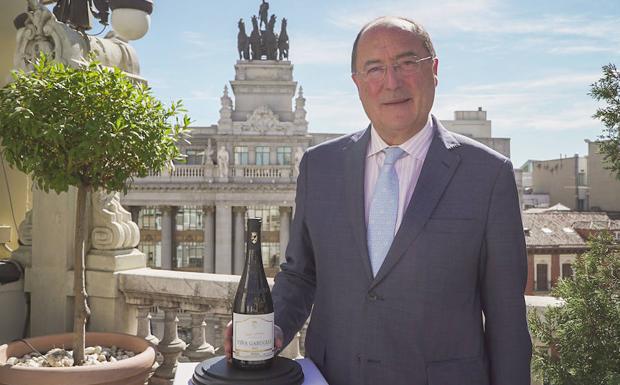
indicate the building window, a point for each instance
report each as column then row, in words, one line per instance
column 270, row 231
column 150, row 218
column 193, row 157
column 152, row 250
column 262, row 156
column 189, row 218
column 567, row 270
column 283, row 156
column 189, row 256
column 581, row 204
column 541, row 277
column 241, row 155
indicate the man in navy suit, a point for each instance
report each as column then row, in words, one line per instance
column 407, row 244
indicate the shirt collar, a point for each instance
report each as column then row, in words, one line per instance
column 414, row 146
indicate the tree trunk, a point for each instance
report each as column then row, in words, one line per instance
column 81, row 310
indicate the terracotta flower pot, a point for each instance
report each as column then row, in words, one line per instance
column 131, row 371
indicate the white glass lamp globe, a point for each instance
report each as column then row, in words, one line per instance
column 130, row 24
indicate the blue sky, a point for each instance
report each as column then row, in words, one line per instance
column 528, row 63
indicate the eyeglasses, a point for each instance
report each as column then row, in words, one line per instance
column 405, row 66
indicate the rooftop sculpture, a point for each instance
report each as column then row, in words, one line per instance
column 263, row 44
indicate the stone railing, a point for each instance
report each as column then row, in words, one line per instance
column 197, row 305
column 262, row 172
column 200, row 302
column 210, row 174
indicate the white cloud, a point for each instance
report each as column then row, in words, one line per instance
column 196, row 39
column 202, row 95
column 314, row 50
column 335, row 112
column 450, row 13
column 555, row 81
column 565, row 34
column 581, row 49
column 554, row 103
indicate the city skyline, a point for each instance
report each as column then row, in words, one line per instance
column 528, row 64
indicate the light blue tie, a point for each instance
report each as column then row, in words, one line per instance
column 383, row 210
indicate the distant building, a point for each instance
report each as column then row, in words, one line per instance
column 475, row 125
column 604, row 185
column 563, row 180
column 555, row 239
column 580, row 183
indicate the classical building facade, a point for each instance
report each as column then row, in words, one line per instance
column 193, row 217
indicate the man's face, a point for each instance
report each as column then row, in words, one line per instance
column 398, row 105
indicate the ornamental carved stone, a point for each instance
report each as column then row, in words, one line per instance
column 112, row 225
column 43, row 33
column 262, row 120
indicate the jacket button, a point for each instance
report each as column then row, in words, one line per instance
column 372, row 297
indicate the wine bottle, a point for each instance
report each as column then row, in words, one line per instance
column 253, row 323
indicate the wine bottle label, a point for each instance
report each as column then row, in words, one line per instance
column 253, row 338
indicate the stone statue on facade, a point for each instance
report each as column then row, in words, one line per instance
column 300, row 108
column 255, row 40
column 270, row 40
column 243, row 42
column 299, row 153
column 263, row 42
column 263, row 12
column 222, row 162
column 207, row 155
column 283, row 41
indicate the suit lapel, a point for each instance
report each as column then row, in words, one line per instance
column 355, row 166
column 435, row 175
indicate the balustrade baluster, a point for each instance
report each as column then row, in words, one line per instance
column 199, row 349
column 171, row 347
column 144, row 324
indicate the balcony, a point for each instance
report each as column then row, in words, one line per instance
column 211, row 174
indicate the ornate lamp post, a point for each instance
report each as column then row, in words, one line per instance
column 130, row 18
column 61, row 35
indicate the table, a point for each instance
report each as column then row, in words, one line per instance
column 312, row 375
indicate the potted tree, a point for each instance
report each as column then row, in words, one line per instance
column 94, row 129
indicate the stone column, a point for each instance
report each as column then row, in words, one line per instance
column 168, row 214
column 135, row 213
column 239, row 239
column 49, row 278
column 208, row 221
column 285, row 230
column 223, row 239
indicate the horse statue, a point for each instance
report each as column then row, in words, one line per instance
column 263, row 12
column 271, row 25
column 283, row 41
column 255, row 40
column 243, row 42
column 270, row 40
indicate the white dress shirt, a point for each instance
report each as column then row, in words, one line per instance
column 407, row 168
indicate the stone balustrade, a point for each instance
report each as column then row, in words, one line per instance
column 210, row 174
column 197, row 299
column 203, row 301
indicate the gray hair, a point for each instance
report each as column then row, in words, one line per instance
column 413, row 26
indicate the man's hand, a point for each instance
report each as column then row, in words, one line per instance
column 279, row 340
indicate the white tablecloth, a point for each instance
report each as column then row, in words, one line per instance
column 312, row 375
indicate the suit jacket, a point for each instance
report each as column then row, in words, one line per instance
column 459, row 253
